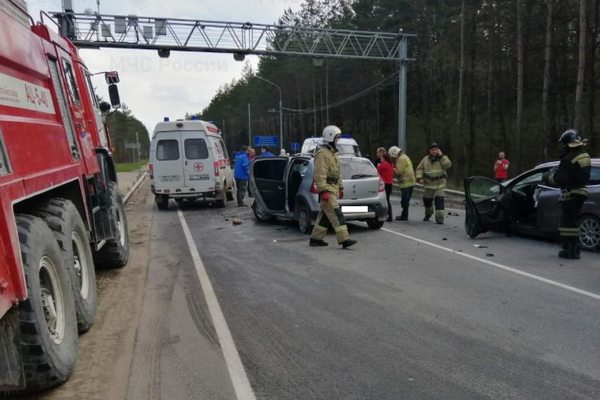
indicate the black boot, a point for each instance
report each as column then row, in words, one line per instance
column 403, row 216
column 348, row 242
column 564, row 248
column 317, row 242
column 576, row 249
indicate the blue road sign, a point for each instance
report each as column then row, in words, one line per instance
column 295, row 146
column 267, row 141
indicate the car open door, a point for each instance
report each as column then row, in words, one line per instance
column 267, row 182
column 484, row 206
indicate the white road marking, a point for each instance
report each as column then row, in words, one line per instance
column 239, row 379
column 500, row 266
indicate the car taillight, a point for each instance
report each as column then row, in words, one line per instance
column 313, row 188
column 216, row 165
column 151, row 170
column 381, row 185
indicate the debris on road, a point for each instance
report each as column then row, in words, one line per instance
column 236, row 221
column 480, row 246
column 489, row 254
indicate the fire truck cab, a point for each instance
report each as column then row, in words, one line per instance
column 61, row 213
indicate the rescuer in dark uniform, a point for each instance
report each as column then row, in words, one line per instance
column 572, row 176
column 328, row 179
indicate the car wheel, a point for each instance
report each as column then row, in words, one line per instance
column 589, row 232
column 259, row 213
column 304, row 220
column 375, row 224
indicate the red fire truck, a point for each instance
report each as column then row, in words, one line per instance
column 61, row 213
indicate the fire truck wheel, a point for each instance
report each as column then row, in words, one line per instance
column 115, row 252
column 47, row 318
column 64, row 220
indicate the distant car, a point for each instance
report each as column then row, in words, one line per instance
column 524, row 205
column 345, row 146
column 284, row 188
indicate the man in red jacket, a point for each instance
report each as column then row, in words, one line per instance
column 501, row 167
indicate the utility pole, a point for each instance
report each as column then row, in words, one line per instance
column 327, row 90
column 249, row 127
column 280, row 109
column 402, row 53
column 137, row 146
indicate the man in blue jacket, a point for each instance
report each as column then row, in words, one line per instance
column 240, row 173
column 264, row 152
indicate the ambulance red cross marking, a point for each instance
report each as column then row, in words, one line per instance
column 198, row 166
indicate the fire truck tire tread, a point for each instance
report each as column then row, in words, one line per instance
column 115, row 252
column 62, row 217
column 45, row 363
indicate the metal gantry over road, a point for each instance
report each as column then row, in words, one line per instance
column 95, row 30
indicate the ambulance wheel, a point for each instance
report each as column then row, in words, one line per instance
column 115, row 252
column 47, row 319
column 162, row 201
column 374, row 223
column 220, row 203
column 64, row 220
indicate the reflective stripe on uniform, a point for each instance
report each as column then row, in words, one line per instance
column 583, row 160
column 578, row 191
column 568, row 232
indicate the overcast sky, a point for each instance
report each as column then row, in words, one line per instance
column 153, row 87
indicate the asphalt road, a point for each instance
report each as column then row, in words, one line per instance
column 413, row 311
column 392, row 318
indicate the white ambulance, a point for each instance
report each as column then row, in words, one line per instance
column 189, row 161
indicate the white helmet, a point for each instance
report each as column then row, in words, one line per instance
column 330, row 132
column 394, row 151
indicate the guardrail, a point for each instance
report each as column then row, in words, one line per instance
column 453, row 197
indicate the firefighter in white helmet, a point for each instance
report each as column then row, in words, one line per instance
column 328, row 179
column 405, row 174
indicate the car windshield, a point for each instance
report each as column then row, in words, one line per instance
column 357, row 168
column 348, row 149
column 533, row 179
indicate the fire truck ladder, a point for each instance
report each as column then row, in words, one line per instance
column 240, row 39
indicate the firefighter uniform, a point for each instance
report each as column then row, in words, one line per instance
column 328, row 180
column 572, row 176
column 406, row 181
column 432, row 170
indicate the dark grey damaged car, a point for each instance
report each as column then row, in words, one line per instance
column 524, row 205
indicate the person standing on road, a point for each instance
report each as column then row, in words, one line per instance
column 328, row 179
column 431, row 173
column 264, row 152
column 240, row 173
column 405, row 175
column 501, row 167
column 572, row 176
column 386, row 172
